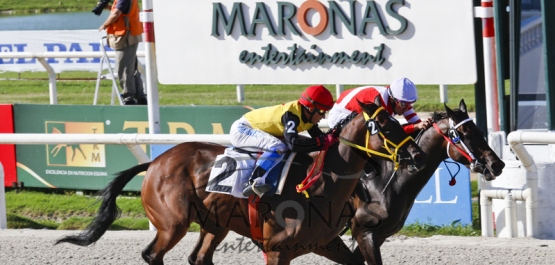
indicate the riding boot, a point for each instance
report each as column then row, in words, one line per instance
column 264, row 164
column 249, row 187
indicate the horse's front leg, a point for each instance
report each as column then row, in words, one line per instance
column 337, row 251
column 278, row 258
column 369, row 246
column 203, row 253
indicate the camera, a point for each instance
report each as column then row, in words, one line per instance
column 101, row 5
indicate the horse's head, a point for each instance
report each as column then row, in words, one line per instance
column 376, row 134
column 466, row 143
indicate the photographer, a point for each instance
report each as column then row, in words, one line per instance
column 124, row 34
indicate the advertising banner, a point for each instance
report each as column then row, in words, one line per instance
column 39, row 41
column 92, row 166
column 315, row 41
column 441, row 204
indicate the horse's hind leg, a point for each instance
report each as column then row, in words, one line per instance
column 170, row 221
column 206, row 246
column 163, row 242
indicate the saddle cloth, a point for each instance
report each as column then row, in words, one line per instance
column 232, row 169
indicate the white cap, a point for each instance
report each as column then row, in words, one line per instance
column 403, row 89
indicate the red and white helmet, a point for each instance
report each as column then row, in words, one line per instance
column 318, row 97
column 404, row 90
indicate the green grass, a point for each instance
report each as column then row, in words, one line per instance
column 426, row 230
column 65, row 210
column 78, row 88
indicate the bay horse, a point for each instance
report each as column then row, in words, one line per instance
column 173, row 195
column 454, row 135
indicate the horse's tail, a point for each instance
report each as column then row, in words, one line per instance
column 108, row 211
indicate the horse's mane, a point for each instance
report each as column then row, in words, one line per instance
column 439, row 115
column 340, row 125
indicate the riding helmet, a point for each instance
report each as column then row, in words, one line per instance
column 317, row 96
column 404, row 90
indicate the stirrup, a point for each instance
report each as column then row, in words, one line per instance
column 254, row 187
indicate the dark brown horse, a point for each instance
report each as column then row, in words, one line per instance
column 456, row 136
column 173, row 196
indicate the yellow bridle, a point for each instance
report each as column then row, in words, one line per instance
column 387, row 143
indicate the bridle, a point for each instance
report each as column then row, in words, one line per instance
column 453, row 138
column 387, row 144
column 393, row 155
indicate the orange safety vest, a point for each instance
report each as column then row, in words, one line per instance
column 118, row 28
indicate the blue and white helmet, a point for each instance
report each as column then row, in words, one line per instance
column 404, row 90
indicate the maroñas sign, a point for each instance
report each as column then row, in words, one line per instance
column 314, row 41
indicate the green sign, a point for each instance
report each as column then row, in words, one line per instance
column 93, row 166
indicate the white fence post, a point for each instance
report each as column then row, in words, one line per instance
column 240, row 93
column 338, row 90
column 3, row 219
column 443, row 93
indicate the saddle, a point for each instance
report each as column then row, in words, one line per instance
column 233, row 168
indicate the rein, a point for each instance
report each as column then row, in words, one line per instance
column 308, row 182
column 466, row 152
column 393, row 156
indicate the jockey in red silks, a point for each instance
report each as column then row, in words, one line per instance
column 396, row 98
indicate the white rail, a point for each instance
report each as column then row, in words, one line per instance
column 117, row 138
column 529, row 194
column 3, row 219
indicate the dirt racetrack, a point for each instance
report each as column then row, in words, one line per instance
column 28, row 246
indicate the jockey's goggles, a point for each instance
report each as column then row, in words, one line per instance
column 320, row 111
column 400, row 103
